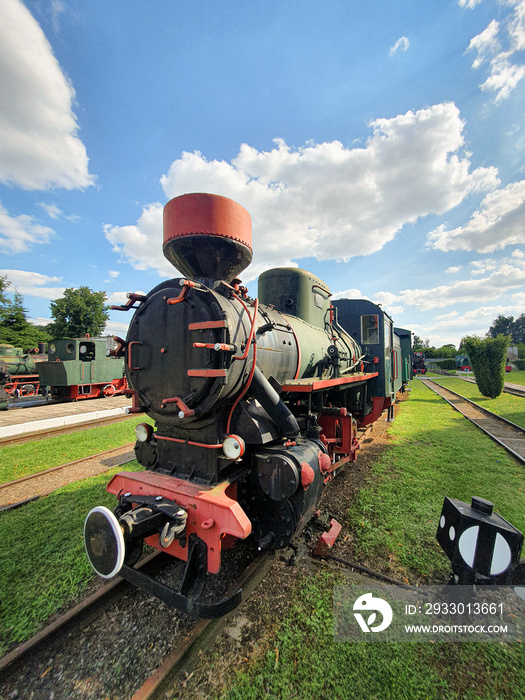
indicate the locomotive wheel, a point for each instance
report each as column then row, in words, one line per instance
column 108, row 390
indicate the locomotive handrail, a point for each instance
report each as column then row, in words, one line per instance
column 252, row 329
column 128, row 359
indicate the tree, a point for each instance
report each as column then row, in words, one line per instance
column 419, row 344
column 508, row 326
column 15, row 329
column 79, row 312
column 488, row 358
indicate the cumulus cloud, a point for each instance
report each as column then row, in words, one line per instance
column 39, row 145
column 452, row 270
column 497, row 223
column 401, row 44
column 18, row 234
column 497, row 45
column 506, row 275
column 324, row 200
column 141, row 244
column 32, row 284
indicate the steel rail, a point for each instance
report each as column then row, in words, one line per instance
column 78, row 617
column 507, row 389
column 72, row 428
column 519, row 432
column 36, row 475
column 186, row 654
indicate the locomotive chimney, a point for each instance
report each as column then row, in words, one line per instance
column 207, row 236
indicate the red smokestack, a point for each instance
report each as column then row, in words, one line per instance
column 207, row 236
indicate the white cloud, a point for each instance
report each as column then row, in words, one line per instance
column 452, row 270
column 349, row 294
column 113, row 274
column 141, row 245
column 39, row 146
column 401, row 44
column 506, row 276
column 51, row 210
column 32, row 284
column 18, row 234
column 324, row 200
column 498, row 44
column 485, row 44
column 497, row 223
column 469, row 3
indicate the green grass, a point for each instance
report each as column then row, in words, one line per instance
column 42, row 453
column 434, row 453
column 44, row 566
column 515, row 377
column 506, row 405
column 304, row 662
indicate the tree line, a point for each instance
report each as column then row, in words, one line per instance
column 508, row 326
column 79, row 312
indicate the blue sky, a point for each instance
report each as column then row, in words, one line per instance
column 377, row 144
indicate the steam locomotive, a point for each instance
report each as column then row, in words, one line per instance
column 256, row 403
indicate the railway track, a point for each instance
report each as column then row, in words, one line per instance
column 513, row 389
column 63, row 429
column 40, row 666
column 504, row 432
column 28, row 488
column 44, row 655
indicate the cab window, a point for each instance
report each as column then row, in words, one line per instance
column 370, row 329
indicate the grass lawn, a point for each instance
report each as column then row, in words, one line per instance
column 44, row 565
column 434, row 453
column 506, row 405
column 517, row 377
column 42, row 453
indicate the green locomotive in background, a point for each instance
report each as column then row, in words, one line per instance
column 81, row 368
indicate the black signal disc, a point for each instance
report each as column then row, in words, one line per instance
column 104, row 542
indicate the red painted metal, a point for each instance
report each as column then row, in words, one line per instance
column 188, row 412
column 207, row 214
column 379, row 404
column 310, row 385
column 128, row 358
column 327, row 539
column 181, row 297
column 207, row 373
column 307, row 475
column 339, row 435
column 225, row 347
column 216, row 446
column 252, row 326
column 206, row 325
column 202, row 503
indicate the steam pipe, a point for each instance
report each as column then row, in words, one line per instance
column 272, row 403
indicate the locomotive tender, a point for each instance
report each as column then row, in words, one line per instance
column 256, row 403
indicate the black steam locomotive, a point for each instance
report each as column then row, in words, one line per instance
column 256, row 403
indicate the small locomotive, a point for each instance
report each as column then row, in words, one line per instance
column 256, row 403
column 18, row 372
column 418, row 363
column 82, row 368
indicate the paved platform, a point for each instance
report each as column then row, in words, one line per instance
column 39, row 418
